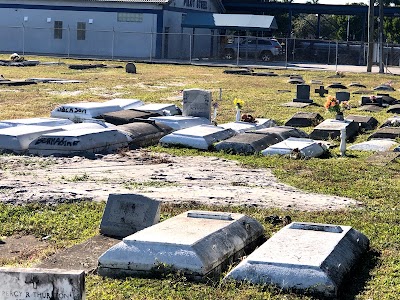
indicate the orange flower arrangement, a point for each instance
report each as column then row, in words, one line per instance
column 333, row 105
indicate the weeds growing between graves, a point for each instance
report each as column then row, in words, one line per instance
column 376, row 187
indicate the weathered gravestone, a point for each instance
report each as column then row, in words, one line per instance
column 198, row 137
column 181, row 122
column 200, row 244
column 330, row 129
column 126, row 116
column 394, row 109
column 365, row 122
column 304, row 119
column 383, row 158
column 303, row 94
column 298, row 147
column 126, row 214
column 392, row 122
column 197, row 103
column 387, row 99
column 162, row 109
column 84, row 141
column 370, row 108
column 379, row 145
column 305, row 257
column 386, row 133
column 17, row 139
column 144, row 133
column 284, row 132
column 35, row 121
column 342, row 96
column 32, row 284
column 241, row 126
column 130, row 68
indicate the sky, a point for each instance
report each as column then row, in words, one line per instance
column 335, row 1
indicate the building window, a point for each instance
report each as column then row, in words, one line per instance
column 58, row 30
column 129, row 17
column 81, row 31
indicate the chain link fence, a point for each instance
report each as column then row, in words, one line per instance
column 184, row 47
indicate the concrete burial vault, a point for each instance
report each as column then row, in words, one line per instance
column 79, row 141
column 35, row 121
column 88, row 110
column 305, row 257
column 199, row 243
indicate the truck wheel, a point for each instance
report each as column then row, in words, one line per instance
column 229, row 54
column 266, row 56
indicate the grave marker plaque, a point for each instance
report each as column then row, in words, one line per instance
column 342, row 96
column 197, row 103
column 303, row 94
column 35, row 284
column 126, row 214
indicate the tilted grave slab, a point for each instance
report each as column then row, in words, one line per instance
column 247, row 143
column 35, row 283
column 364, row 122
column 126, row 103
column 241, row 126
column 79, row 142
column 304, row 119
column 284, row 132
column 162, row 109
column 379, row 145
column 35, row 121
column 144, row 133
column 122, row 117
column 330, row 129
column 126, row 214
column 300, row 147
column 305, row 257
column 17, row 139
column 392, row 122
column 386, row 133
column 198, row 137
column 394, row 109
column 83, row 110
column 201, row 244
column 370, row 108
column 181, row 122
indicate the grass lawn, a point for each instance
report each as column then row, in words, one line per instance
column 377, row 187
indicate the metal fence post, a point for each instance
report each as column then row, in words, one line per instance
column 151, row 45
column 112, row 43
column 23, row 39
column 237, row 51
column 337, row 54
column 286, row 54
column 190, row 48
column 68, row 41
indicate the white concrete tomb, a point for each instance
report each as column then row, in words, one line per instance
column 379, row 145
column 304, row 147
column 79, row 142
column 305, row 257
column 35, row 121
column 181, row 122
column 83, row 110
column 34, row 283
column 241, row 127
column 199, row 243
column 198, row 137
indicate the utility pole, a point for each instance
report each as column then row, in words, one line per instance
column 370, row 35
column 381, row 17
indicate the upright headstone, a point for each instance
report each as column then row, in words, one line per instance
column 200, row 244
column 306, row 257
column 130, row 68
column 197, row 103
column 126, row 214
column 342, row 96
column 21, row 283
column 303, row 94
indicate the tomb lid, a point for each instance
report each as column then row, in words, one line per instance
column 35, row 121
column 161, row 108
column 283, row 131
column 380, row 145
column 392, row 122
column 371, row 108
column 304, row 147
column 304, row 119
column 357, row 84
column 181, row 122
column 365, row 122
column 337, row 85
column 386, row 133
column 240, row 126
column 83, row 110
column 395, row 109
column 384, row 87
column 126, row 103
column 296, row 80
column 122, row 117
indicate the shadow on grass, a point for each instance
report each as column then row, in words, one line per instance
column 354, row 283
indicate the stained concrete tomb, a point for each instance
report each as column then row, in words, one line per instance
column 197, row 103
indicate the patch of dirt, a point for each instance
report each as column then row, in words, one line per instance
column 20, row 247
column 206, row 180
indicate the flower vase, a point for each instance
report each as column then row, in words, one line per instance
column 340, row 116
column 238, row 115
